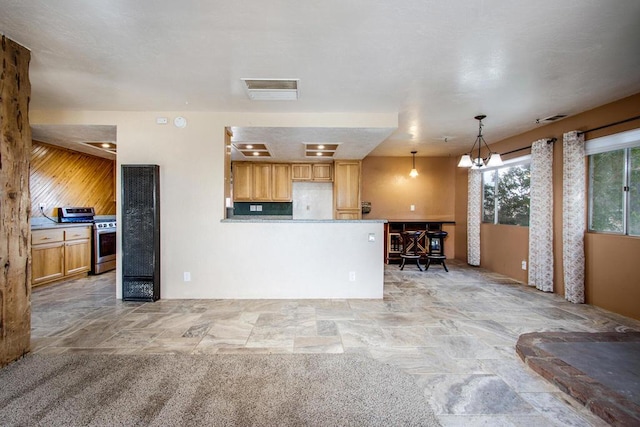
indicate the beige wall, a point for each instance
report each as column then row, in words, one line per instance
column 387, row 185
column 612, row 267
column 236, row 260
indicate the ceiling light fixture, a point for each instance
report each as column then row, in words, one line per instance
column 413, row 172
column 492, row 159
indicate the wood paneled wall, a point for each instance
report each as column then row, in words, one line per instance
column 15, row 148
column 60, row 177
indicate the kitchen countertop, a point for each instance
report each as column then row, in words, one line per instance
column 59, row 225
column 41, row 223
column 265, row 219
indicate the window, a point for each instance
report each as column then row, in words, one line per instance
column 505, row 193
column 614, row 191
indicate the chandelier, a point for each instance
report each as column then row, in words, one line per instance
column 468, row 161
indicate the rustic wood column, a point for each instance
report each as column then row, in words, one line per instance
column 15, row 202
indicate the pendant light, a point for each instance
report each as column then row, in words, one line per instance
column 492, row 159
column 414, row 171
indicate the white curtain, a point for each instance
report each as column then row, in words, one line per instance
column 573, row 215
column 541, row 217
column 474, row 206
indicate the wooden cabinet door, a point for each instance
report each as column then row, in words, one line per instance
column 346, row 190
column 281, row 176
column 261, row 190
column 301, row 172
column 322, row 172
column 242, row 181
column 350, row 214
column 47, row 262
column 77, row 256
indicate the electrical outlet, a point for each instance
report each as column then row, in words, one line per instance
column 413, row 208
column 187, row 276
column 524, row 265
column 352, row 276
column 42, row 206
column 372, row 237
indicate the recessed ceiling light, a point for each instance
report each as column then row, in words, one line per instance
column 249, row 146
column 104, row 146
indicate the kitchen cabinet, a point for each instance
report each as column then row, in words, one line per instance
column 281, row 182
column 261, row 182
column 242, row 181
column 301, row 172
column 77, row 250
column 59, row 252
column 261, row 189
column 346, row 189
column 321, row 172
column 47, row 255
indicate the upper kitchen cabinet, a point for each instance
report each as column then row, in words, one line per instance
column 301, row 172
column 320, row 172
column 346, row 189
column 261, row 182
column 242, row 181
column 281, row 182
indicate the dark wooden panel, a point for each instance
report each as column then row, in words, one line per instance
column 61, row 177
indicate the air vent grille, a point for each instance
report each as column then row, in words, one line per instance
column 553, row 118
column 272, row 89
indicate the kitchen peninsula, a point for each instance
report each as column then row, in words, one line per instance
column 310, row 258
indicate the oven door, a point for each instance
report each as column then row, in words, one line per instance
column 105, row 245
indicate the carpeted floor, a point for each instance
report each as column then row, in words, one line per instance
column 221, row 390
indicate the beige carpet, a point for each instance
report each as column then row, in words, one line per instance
column 221, row 390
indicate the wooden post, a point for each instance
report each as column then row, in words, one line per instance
column 15, row 202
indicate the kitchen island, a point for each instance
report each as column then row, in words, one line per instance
column 310, row 258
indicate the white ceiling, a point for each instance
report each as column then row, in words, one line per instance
column 435, row 63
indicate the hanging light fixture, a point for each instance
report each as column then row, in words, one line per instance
column 414, row 171
column 492, row 159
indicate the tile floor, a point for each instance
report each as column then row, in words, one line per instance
column 455, row 332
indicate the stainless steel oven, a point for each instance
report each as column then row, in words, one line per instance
column 103, row 256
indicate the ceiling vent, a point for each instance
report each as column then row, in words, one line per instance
column 551, row 118
column 272, row 89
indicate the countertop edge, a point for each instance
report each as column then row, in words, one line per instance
column 60, row 225
column 305, row 221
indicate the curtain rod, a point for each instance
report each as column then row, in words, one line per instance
column 609, row 125
column 549, row 141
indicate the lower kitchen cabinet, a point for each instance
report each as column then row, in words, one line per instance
column 60, row 252
column 47, row 262
column 77, row 257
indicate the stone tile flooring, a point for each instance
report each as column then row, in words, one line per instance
column 455, row 332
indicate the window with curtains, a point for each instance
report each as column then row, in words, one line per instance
column 505, row 194
column 614, row 191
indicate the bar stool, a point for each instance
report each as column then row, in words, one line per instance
column 411, row 248
column 436, row 249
